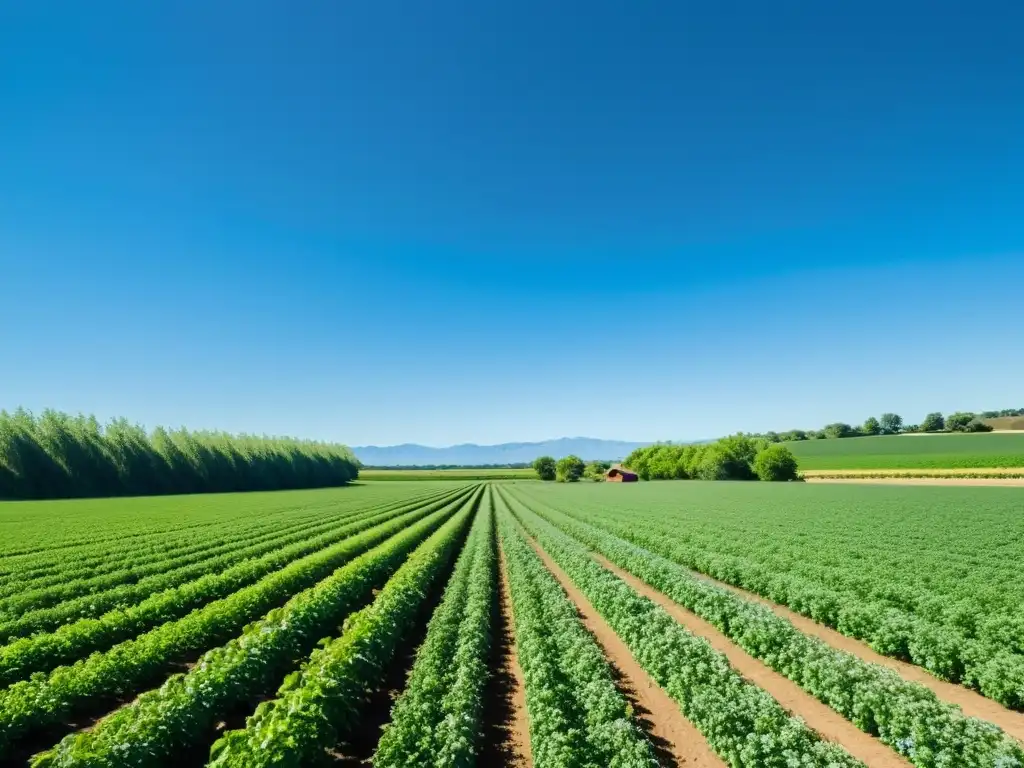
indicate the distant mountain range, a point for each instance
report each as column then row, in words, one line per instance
column 410, row 455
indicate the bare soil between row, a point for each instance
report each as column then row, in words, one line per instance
column 506, row 727
column 828, row 723
column 972, row 703
column 675, row 739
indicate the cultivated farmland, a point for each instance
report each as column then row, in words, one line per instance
column 502, row 623
column 916, row 451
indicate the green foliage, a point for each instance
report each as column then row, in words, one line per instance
column 569, row 469
column 957, row 422
column 906, row 716
column 56, row 455
column 545, row 467
column 319, row 704
column 730, row 458
column 62, row 634
column 890, row 423
column 775, row 463
column 577, row 715
column 741, row 722
column 838, row 430
column 933, row 422
column 966, row 422
column 437, row 719
column 320, row 588
column 793, row 434
column 871, row 426
column 596, row 470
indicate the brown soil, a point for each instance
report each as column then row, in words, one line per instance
column 358, row 745
column 675, row 739
column 1006, row 481
column 506, row 728
column 973, row 704
column 829, row 724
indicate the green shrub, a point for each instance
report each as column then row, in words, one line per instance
column 569, row 469
column 775, row 463
column 545, row 468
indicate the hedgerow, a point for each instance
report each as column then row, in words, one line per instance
column 56, row 455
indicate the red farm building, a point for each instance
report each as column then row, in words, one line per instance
column 619, row 474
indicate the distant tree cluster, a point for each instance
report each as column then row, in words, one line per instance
column 739, row 457
column 570, row 469
column 546, row 467
column 892, row 424
column 56, row 455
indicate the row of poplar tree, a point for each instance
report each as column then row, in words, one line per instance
column 56, row 455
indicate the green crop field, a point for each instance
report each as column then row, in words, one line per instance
column 447, row 474
column 938, row 451
column 469, row 623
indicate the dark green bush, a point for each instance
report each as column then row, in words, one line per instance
column 775, row 463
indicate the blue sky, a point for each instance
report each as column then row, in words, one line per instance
column 380, row 222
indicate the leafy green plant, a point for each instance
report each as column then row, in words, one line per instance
column 321, row 702
column 775, row 463
column 577, row 716
column 437, row 718
column 56, row 455
column 904, row 715
column 30, row 705
column 569, row 469
column 545, row 467
column 740, row 721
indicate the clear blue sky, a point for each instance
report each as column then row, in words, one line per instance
column 380, row 222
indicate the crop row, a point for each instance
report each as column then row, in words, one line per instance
column 577, row 715
column 740, row 721
column 129, row 666
column 906, row 716
column 139, row 528
column 75, row 571
column 321, row 704
column 75, row 575
column 991, row 661
column 72, row 641
column 437, row 718
column 90, row 596
column 90, row 574
column 184, row 711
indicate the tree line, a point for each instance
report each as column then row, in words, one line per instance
column 893, row 424
column 56, row 455
column 570, row 469
column 739, row 457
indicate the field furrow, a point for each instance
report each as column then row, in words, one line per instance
column 320, row 705
column 128, row 667
column 906, row 716
column 185, row 710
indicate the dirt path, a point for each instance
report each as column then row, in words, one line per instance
column 506, row 726
column 1005, row 481
column 827, row 722
column 676, row 740
column 973, row 704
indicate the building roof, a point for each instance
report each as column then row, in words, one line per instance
column 620, row 469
